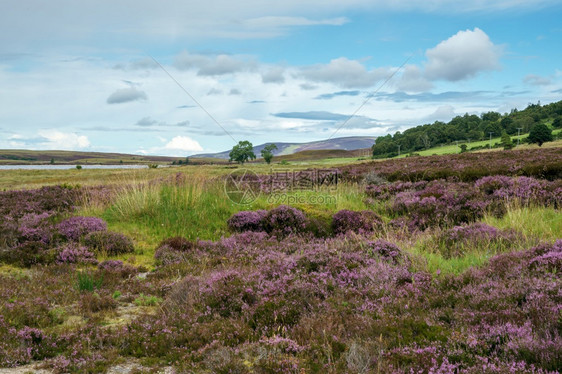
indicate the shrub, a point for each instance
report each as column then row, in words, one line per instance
column 28, row 254
column 166, row 255
column 247, row 221
column 359, row 222
column 109, row 242
column 74, row 228
column 36, row 227
column 178, row 244
column 93, row 302
column 441, row 204
column 75, row 254
column 387, row 250
column 284, row 220
column 111, row 265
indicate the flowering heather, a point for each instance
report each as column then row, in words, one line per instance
column 548, row 257
column 74, row 228
column 55, row 198
column 284, row 220
column 167, row 255
column 388, row 190
column 75, row 254
column 386, row 250
column 112, row 243
column 178, row 243
column 363, row 222
column 111, row 265
column 440, row 204
column 537, row 163
column 247, row 221
column 473, row 232
column 35, row 227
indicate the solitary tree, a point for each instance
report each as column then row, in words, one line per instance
column 242, row 152
column 267, row 152
column 463, row 148
column 506, row 141
column 557, row 123
column 539, row 134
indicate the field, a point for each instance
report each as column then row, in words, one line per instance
column 437, row 264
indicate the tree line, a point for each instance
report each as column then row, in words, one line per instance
column 469, row 128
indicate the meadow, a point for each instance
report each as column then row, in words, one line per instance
column 438, row 264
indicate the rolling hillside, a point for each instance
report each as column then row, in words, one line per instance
column 351, row 143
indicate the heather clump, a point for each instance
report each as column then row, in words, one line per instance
column 35, row 227
column 388, row 190
column 440, row 203
column 284, row 220
column 167, row 255
column 247, row 221
column 363, row 222
column 547, row 257
column 74, row 228
column 75, row 254
column 179, row 244
column 174, row 251
column 109, row 242
column 29, row 253
column 473, row 238
column 387, row 250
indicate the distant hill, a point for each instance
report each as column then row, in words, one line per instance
column 21, row 156
column 350, row 143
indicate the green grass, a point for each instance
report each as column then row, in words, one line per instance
column 538, row 222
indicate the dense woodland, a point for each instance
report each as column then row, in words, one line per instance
column 468, row 128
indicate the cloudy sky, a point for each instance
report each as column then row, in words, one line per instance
column 183, row 77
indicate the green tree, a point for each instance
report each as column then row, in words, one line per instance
column 506, row 141
column 52, row 161
column 539, row 134
column 557, row 123
column 267, row 152
column 242, row 152
column 463, row 148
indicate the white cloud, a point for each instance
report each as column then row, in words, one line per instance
column 443, row 113
column 183, row 143
column 462, row 56
column 213, row 65
column 537, row 80
column 273, row 22
column 274, row 75
column 125, row 95
column 344, row 73
column 54, row 139
column 412, row 80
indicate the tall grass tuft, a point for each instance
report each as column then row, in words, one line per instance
column 86, row 282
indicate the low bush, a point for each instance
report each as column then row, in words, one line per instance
column 247, row 221
column 74, row 228
column 109, row 242
column 363, row 222
column 75, row 254
column 28, row 254
column 284, row 220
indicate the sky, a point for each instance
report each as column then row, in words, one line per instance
column 185, row 77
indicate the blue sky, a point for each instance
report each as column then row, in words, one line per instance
column 79, row 76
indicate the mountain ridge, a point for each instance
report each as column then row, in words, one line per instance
column 348, row 143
